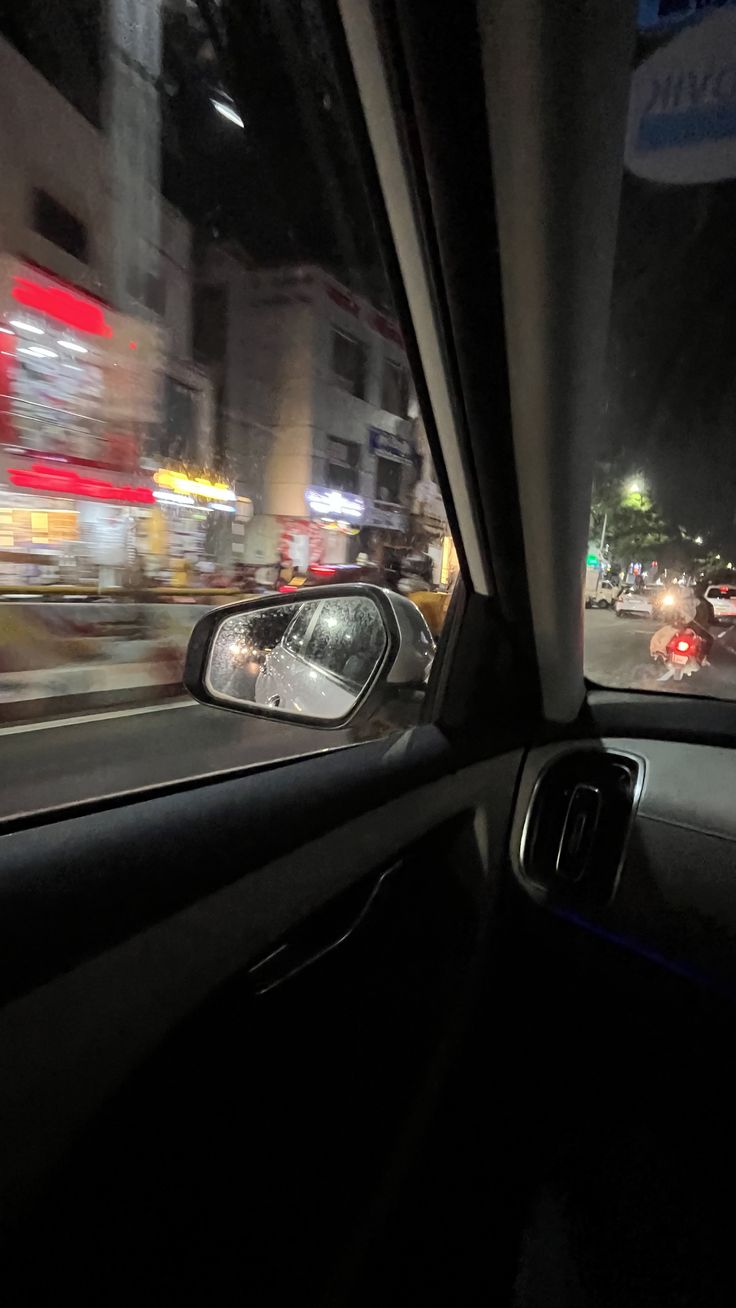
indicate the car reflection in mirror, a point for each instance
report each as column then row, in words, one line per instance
column 314, row 657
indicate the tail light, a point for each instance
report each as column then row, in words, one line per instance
column 320, row 571
column 683, row 643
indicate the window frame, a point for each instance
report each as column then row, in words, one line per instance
column 392, row 367
column 355, row 387
column 393, row 463
column 351, row 465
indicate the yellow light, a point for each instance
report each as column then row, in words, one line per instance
column 208, row 490
column 445, row 561
column 328, row 525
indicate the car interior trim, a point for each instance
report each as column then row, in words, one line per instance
column 181, row 957
column 557, row 104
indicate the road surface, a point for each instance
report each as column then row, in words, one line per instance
column 84, row 758
column 617, row 655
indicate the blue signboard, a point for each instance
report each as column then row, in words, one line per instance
column 682, row 112
column 660, row 14
column 390, row 445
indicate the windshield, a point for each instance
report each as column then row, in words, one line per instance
column 663, row 510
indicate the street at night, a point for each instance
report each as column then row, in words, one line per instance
column 617, row 655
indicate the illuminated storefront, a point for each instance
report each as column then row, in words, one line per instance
column 81, row 412
column 335, row 518
column 78, row 382
column 190, row 510
column 83, row 527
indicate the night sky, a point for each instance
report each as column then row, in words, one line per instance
column 669, row 400
column 670, row 392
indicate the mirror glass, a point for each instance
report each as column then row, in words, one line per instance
column 316, row 657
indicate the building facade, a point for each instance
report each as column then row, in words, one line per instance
column 320, row 409
column 97, row 365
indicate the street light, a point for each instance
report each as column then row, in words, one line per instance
column 698, row 540
column 637, row 487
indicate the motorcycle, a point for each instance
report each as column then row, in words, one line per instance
column 681, row 650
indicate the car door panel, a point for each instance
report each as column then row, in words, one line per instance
column 84, row 877
column 622, row 1034
column 674, row 899
column 77, row 1042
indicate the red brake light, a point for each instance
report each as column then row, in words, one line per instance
column 723, row 590
column 683, row 646
column 320, row 571
column 287, row 590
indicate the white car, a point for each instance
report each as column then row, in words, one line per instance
column 635, row 604
column 329, row 650
column 723, row 599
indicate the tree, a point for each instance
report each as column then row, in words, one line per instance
column 623, row 512
column 635, row 532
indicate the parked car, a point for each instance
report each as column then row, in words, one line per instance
column 642, row 602
column 333, row 574
column 723, row 599
column 604, row 596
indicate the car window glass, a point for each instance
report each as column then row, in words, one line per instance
column 345, row 640
column 296, row 632
column 664, row 488
column 205, row 390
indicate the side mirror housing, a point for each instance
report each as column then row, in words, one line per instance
column 323, row 656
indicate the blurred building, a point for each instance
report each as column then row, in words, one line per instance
column 96, row 330
column 319, row 414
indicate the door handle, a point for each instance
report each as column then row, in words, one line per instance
column 319, row 935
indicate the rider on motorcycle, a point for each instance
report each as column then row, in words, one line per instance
column 692, row 610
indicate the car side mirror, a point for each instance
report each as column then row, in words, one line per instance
column 320, row 657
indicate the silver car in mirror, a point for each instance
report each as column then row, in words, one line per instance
column 320, row 657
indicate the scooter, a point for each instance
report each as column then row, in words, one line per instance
column 682, row 651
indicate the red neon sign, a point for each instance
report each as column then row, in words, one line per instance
column 67, row 482
column 63, row 305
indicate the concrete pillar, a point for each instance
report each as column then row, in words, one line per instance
column 132, row 126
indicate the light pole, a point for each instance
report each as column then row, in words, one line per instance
column 603, row 533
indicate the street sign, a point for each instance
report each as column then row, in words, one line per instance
column 323, row 502
column 682, row 109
